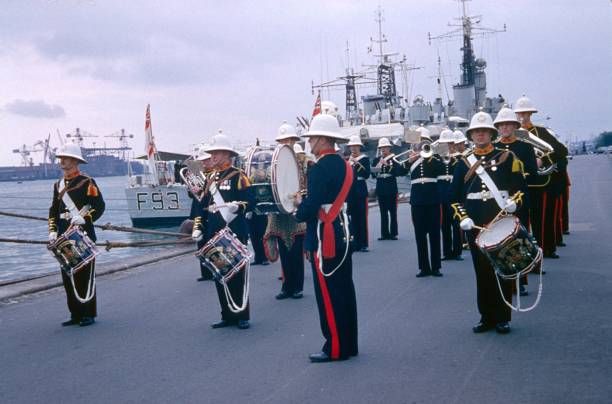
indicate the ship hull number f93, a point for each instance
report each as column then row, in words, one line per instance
column 157, row 200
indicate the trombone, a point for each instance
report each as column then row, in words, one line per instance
column 542, row 149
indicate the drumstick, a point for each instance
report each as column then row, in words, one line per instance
column 480, row 228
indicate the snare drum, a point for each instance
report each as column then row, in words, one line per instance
column 510, row 248
column 275, row 178
column 224, row 255
column 73, row 250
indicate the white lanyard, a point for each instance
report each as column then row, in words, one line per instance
column 484, row 177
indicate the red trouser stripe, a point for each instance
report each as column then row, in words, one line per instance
column 367, row 235
column 544, row 195
column 329, row 311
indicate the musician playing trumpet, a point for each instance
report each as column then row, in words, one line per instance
column 357, row 201
column 482, row 184
column 385, row 169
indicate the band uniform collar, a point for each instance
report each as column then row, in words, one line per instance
column 225, row 166
column 325, row 152
column 528, row 126
column 507, row 139
column 73, row 175
column 483, row 151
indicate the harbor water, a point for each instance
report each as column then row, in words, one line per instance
column 21, row 261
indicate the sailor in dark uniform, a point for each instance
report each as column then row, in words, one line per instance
column 328, row 241
column 545, row 193
column 451, row 232
column 477, row 204
column 231, row 183
column 385, row 170
column 77, row 201
column 198, row 213
column 357, row 202
column 424, row 169
column 506, row 123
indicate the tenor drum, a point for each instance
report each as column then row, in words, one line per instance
column 73, row 250
column 510, row 248
column 224, row 255
column 275, row 178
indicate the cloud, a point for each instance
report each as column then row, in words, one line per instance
column 35, row 109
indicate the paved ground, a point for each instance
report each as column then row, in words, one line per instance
column 153, row 342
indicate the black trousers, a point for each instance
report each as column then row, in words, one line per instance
column 292, row 263
column 358, row 215
column 426, row 221
column 337, row 307
column 542, row 218
column 491, row 306
column 257, row 228
column 82, row 279
column 451, row 233
column 205, row 272
column 565, row 209
column 388, row 215
column 236, row 288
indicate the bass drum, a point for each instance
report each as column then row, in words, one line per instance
column 275, row 179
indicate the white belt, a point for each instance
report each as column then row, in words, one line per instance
column 484, row 195
column 423, row 180
column 361, row 179
column 82, row 212
column 445, row 177
column 384, row 175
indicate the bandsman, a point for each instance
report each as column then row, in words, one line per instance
column 385, row 169
column 357, row 202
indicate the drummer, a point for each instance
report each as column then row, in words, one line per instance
column 198, row 212
column 327, row 241
column 286, row 235
column 232, row 185
column 483, row 180
column 357, row 202
column 81, row 192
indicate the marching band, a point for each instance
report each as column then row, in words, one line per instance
column 498, row 197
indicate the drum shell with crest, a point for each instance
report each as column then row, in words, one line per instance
column 509, row 247
column 74, row 250
column 275, row 178
column 224, row 255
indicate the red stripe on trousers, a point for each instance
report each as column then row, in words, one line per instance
column 366, row 219
column 329, row 311
column 544, row 195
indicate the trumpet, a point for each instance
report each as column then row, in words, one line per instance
column 194, row 182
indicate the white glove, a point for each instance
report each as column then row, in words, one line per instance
column 467, row 224
column 510, row 206
column 248, row 215
column 77, row 220
column 197, row 235
column 232, row 207
column 52, row 236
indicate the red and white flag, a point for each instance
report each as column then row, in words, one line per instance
column 150, row 148
column 317, row 108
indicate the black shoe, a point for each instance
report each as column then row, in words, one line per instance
column 280, row 278
column 243, row 324
column 423, row 274
column 85, row 321
column 220, row 324
column 204, row 278
column 561, row 244
column 445, row 258
column 393, row 238
column 70, row 321
column 482, row 327
column 364, row 249
column 551, row 255
column 458, row 258
column 265, row 262
column 437, row 274
column 502, row 328
column 566, row 233
column 319, row 357
column 523, row 291
column 282, row 295
column 383, row 238
column 297, row 295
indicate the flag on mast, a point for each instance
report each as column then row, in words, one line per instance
column 317, row 108
column 150, row 148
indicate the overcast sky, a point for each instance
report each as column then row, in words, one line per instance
column 245, row 66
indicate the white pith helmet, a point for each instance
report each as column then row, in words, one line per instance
column 424, row 132
column 355, row 141
column 329, row 107
column 446, row 136
column 524, row 104
column 297, row 149
column 506, row 115
column 326, row 126
column 202, row 153
column 481, row 120
column 459, row 137
column 220, row 141
column 384, row 142
column 72, row 150
column 286, row 131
